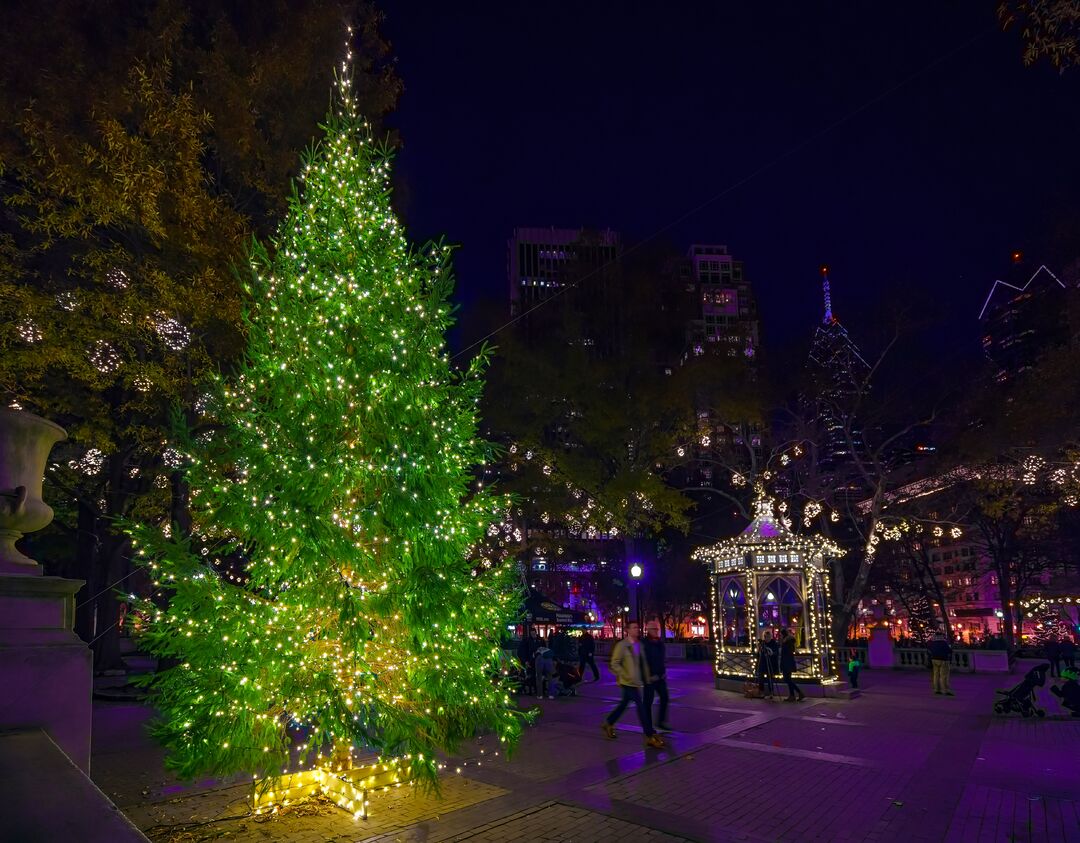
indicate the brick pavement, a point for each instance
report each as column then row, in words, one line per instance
column 897, row 763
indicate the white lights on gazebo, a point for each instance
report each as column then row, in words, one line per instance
column 768, row 578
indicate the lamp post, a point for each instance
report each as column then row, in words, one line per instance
column 636, row 573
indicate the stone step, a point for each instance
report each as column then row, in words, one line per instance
column 46, row 797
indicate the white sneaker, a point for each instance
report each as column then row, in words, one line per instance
column 539, row 696
column 551, row 696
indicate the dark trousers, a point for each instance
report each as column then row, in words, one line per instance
column 657, row 689
column 793, row 689
column 853, row 677
column 630, row 694
column 591, row 662
column 1055, row 665
column 766, row 677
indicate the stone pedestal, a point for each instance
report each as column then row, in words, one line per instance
column 879, row 650
column 46, row 671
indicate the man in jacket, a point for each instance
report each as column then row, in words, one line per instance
column 940, row 664
column 657, row 687
column 631, row 672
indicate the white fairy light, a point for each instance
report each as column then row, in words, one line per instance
column 117, row 279
column 28, row 331
column 104, row 357
column 171, row 331
column 89, row 464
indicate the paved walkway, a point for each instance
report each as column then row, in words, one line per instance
column 898, row 763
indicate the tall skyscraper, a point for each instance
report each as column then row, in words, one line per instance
column 720, row 319
column 836, row 373
column 722, row 305
column 1022, row 316
column 564, row 286
column 543, row 262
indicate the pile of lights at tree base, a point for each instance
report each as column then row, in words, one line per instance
column 344, row 783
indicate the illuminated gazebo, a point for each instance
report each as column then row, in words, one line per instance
column 768, row 578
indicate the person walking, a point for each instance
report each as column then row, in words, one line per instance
column 1053, row 655
column 631, row 672
column 768, row 659
column 545, row 670
column 940, row 664
column 1068, row 651
column 586, row 655
column 787, row 665
column 657, row 686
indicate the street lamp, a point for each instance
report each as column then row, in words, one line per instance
column 636, row 573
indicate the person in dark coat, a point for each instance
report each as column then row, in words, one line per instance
column 1052, row 649
column 1068, row 651
column 656, row 684
column 788, row 665
column 768, row 659
column 586, row 650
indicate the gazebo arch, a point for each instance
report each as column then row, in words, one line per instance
column 768, row 577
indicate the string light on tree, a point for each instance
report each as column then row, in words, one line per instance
column 331, row 600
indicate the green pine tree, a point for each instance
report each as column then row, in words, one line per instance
column 330, row 595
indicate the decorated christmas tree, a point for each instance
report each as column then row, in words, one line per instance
column 329, row 598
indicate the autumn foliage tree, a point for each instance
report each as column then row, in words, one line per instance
column 144, row 144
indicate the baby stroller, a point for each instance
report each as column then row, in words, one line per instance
column 1021, row 699
column 569, row 677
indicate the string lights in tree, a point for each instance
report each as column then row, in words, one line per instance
column 331, row 599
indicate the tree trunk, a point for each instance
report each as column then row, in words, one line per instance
column 1005, row 595
column 86, row 569
column 180, row 505
column 116, row 566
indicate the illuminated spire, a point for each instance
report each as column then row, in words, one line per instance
column 828, row 297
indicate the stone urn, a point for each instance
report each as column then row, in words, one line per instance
column 25, row 442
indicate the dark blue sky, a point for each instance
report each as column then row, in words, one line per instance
column 631, row 115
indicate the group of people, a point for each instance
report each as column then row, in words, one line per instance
column 638, row 664
column 777, row 653
column 1057, row 652
column 641, row 673
column 556, row 665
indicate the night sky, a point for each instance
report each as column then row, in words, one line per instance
column 906, row 145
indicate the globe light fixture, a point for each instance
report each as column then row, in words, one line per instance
column 636, row 571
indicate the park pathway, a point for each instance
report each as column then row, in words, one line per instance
column 898, row 763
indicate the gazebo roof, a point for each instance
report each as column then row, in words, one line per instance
column 767, row 534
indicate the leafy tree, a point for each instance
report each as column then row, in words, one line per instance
column 848, row 501
column 600, row 411
column 147, row 141
column 1050, row 29
column 1013, row 507
column 904, row 563
column 337, row 476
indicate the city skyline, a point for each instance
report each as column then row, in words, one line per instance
column 862, row 139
